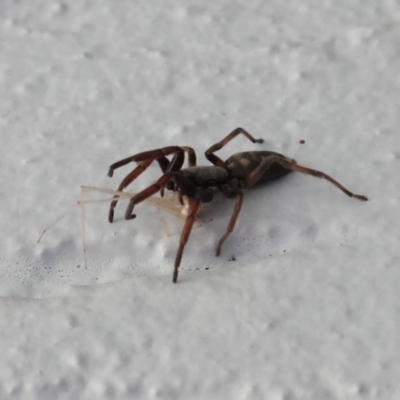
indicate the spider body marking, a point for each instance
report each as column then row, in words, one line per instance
column 198, row 184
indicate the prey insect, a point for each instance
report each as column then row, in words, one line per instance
column 198, row 184
column 169, row 205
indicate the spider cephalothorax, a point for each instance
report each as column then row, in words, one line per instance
column 198, row 184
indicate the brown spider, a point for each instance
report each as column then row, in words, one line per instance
column 198, row 184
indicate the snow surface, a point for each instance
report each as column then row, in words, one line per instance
column 303, row 302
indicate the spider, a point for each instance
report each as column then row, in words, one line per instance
column 198, row 184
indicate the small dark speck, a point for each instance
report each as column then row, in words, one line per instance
column 284, row 251
column 302, row 141
column 78, row 266
column 207, row 268
column 270, row 255
column 197, row 269
column 232, row 258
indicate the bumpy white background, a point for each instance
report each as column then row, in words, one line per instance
column 303, row 302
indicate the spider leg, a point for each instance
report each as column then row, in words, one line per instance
column 263, row 167
column 320, row 174
column 190, row 219
column 145, row 159
column 182, row 182
column 191, row 155
column 217, row 146
column 232, row 222
column 126, row 181
column 175, row 165
column 153, row 155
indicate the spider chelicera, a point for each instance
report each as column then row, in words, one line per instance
column 198, row 184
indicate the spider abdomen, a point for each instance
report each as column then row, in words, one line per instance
column 241, row 165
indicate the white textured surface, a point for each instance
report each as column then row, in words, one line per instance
column 309, row 309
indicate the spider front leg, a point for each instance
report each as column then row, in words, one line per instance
column 126, row 181
column 158, row 154
column 145, row 159
column 184, row 184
